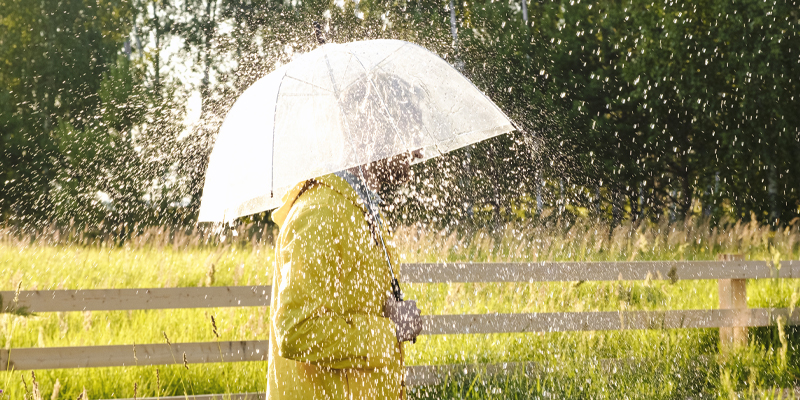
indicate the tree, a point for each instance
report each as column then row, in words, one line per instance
column 54, row 55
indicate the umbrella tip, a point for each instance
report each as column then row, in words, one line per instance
column 318, row 33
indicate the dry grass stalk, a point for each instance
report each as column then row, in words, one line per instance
column 212, row 270
column 248, row 327
column 158, row 383
column 36, row 394
column 16, row 293
column 63, row 325
column 590, row 240
column 157, row 237
column 5, row 328
column 16, row 283
column 25, row 385
column 41, row 337
column 214, row 327
column 238, row 272
column 784, row 341
column 56, row 389
column 10, row 328
column 87, row 321
column 262, row 317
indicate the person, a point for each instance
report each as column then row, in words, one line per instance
column 336, row 329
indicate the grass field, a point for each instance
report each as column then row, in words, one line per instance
column 668, row 364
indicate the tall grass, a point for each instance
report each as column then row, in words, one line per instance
column 614, row 364
column 692, row 239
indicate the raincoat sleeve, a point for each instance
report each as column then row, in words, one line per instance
column 306, row 326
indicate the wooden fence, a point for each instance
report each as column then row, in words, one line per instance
column 733, row 317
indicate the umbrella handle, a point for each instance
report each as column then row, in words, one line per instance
column 398, row 294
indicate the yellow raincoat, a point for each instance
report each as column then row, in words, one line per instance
column 328, row 336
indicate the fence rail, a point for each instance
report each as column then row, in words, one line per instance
column 136, row 299
column 602, row 321
column 130, row 355
column 256, row 350
column 547, row 271
column 253, row 296
column 732, row 318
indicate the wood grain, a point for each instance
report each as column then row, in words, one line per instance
column 133, row 355
column 253, row 296
column 138, row 299
column 159, row 354
column 601, row 321
column 595, row 271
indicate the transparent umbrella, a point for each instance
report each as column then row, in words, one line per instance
column 337, row 107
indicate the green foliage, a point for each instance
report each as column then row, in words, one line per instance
column 674, row 105
column 626, row 109
column 632, row 109
column 84, row 140
column 51, row 70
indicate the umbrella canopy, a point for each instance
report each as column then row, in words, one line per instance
column 337, row 107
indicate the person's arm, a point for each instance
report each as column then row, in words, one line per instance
column 306, row 328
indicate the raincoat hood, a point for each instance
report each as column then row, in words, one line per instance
column 334, row 182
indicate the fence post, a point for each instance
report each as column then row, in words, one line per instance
column 732, row 296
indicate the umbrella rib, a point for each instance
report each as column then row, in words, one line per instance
column 383, row 103
column 496, row 107
column 425, row 127
column 344, row 74
column 274, row 123
column 338, row 102
column 309, row 83
column 378, row 64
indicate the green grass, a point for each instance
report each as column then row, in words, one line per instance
column 669, row 364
